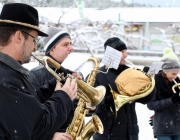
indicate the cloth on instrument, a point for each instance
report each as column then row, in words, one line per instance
column 130, row 81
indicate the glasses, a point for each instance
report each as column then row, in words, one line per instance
column 35, row 40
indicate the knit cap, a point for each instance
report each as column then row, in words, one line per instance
column 115, row 43
column 55, row 35
column 168, row 53
column 170, row 65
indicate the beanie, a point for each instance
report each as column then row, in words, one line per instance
column 115, row 43
column 168, row 53
column 55, row 35
column 170, row 64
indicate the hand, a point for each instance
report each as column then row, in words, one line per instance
column 175, row 98
column 146, row 69
column 70, row 87
column 91, row 108
column 77, row 76
column 61, row 136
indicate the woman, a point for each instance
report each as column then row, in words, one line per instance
column 166, row 104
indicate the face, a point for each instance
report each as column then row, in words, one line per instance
column 29, row 45
column 170, row 75
column 124, row 55
column 61, row 51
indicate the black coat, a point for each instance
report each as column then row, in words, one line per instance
column 41, row 78
column 124, row 127
column 23, row 117
column 166, row 120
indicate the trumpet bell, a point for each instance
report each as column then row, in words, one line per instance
column 120, row 100
column 93, row 95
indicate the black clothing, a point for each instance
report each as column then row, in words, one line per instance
column 166, row 120
column 39, row 77
column 124, row 127
column 23, row 117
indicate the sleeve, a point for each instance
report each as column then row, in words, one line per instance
column 38, row 121
column 57, row 110
column 160, row 104
column 148, row 98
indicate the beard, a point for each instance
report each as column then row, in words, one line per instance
column 27, row 59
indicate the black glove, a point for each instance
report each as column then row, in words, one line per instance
column 175, row 98
column 146, row 69
column 151, row 120
column 108, row 97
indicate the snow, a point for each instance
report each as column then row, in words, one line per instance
column 143, row 113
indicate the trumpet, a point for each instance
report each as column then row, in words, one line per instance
column 93, row 96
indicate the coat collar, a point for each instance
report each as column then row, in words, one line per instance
column 6, row 59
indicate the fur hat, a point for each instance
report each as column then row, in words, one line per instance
column 170, row 64
column 55, row 36
column 168, row 53
column 115, row 43
column 20, row 14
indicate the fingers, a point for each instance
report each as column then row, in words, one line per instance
column 58, row 85
column 70, row 87
column 61, row 136
column 77, row 76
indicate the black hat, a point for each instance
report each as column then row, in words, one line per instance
column 55, row 36
column 115, row 43
column 20, row 14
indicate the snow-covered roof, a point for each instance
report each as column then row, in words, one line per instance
column 154, row 14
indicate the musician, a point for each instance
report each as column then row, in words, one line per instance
column 125, row 126
column 166, row 104
column 58, row 46
column 23, row 117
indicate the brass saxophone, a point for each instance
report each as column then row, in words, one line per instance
column 76, row 128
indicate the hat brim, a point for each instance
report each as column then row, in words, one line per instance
column 12, row 23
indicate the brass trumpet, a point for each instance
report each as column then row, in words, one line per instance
column 93, row 96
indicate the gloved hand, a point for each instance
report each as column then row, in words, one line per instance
column 175, row 98
column 151, row 120
column 108, row 97
column 146, row 69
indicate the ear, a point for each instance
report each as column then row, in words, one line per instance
column 18, row 37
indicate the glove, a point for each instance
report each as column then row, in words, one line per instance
column 146, row 69
column 151, row 120
column 175, row 98
column 108, row 98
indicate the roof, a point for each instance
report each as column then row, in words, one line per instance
column 153, row 14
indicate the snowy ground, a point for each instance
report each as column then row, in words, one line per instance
column 74, row 60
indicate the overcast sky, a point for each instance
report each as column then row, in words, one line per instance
column 172, row 3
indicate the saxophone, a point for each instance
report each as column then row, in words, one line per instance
column 77, row 129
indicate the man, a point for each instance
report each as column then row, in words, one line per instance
column 124, row 127
column 22, row 116
column 58, row 46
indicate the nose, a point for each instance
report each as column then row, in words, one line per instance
column 71, row 48
column 35, row 47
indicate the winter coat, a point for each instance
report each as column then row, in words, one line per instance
column 23, row 117
column 40, row 77
column 124, row 127
column 166, row 120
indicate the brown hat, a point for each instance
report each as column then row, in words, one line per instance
column 20, row 14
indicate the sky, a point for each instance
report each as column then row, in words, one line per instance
column 161, row 3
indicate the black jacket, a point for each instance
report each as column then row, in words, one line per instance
column 124, row 127
column 166, row 120
column 40, row 77
column 23, row 117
